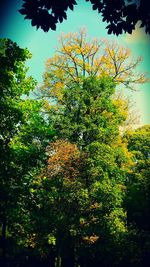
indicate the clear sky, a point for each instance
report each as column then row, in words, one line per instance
column 42, row 45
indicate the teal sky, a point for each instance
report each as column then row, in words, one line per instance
column 42, row 45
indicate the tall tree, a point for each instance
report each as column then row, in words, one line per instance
column 84, row 182
column 79, row 86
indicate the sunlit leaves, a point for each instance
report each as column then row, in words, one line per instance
column 79, row 57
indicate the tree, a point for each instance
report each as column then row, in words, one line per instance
column 138, row 188
column 120, row 15
column 79, row 195
column 137, row 200
column 79, row 88
column 21, row 136
column 13, row 84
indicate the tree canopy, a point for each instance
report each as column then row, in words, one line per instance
column 78, row 57
column 120, row 15
column 74, row 187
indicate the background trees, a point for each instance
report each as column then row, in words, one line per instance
column 138, row 184
column 137, row 198
column 13, row 84
column 70, row 178
column 22, row 129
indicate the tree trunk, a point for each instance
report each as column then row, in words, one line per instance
column 4, row 238
column 58, row 261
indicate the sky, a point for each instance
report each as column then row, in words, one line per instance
column 42, row 45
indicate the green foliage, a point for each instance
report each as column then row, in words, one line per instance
column 84, row 209
column 22, row 130
column 137, row 199
column 87, row 113
column 75, row 191
column 13, row 84
column 138, row 185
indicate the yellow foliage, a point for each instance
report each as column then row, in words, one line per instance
column 78, row 56
column 90, row 239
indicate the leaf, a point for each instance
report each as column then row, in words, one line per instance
column 94, row 7
column 33, row 22
column 53, row 26
column 22, row 11
column 71, row 6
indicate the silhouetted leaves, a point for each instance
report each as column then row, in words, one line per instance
column 121, row 15
column 46, row 13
